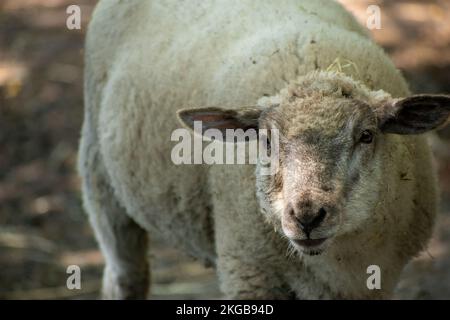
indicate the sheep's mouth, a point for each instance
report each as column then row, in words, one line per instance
column 310, row 243
column 310, row 247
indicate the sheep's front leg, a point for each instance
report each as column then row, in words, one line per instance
column 240, row 279
column 124, row 245
column 122, row 241
column 248, row 263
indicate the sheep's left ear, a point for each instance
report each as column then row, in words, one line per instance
column 415, row 114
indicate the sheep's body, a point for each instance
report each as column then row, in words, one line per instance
column 147, row 59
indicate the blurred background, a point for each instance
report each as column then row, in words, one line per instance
column 42, row 225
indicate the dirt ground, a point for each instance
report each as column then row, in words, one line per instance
column 42, row 225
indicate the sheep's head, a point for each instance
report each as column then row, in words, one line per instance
column 331, row 133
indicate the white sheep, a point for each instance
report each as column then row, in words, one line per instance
column 354, row 186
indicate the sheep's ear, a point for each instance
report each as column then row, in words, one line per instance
column 218, row 118
column 415, row 114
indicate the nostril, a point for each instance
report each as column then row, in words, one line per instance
column 321, row 215
column 290, row 211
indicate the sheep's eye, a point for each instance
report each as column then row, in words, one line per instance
column 366, row 137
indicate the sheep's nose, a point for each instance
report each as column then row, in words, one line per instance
column 307, row 218
column 308, row 222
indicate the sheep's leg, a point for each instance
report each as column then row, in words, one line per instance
column 243, row 280
column 126, row 274
column 122, row 241
column 247, row 266
column 244, row 277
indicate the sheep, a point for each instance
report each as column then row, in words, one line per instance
column 354, row 185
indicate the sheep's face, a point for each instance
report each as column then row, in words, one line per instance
column 329, row 146
column 328, row 161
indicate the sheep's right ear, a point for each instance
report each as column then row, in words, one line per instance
column 218, row 118
column 415, row 114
